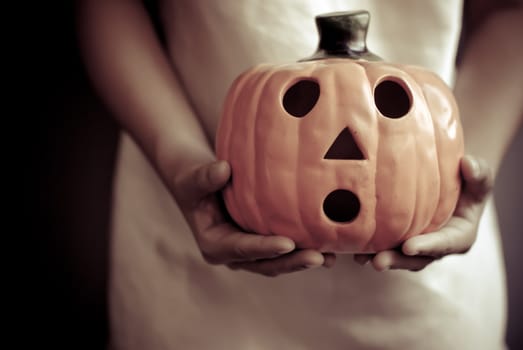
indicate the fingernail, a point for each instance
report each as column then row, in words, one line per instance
column 313, row 264
column 410, row 252
column 284, row 250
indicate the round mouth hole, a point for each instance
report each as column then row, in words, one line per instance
column 341, row 206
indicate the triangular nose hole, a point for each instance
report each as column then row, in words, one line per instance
column 344, row 147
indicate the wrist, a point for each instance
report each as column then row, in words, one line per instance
column 172, row 156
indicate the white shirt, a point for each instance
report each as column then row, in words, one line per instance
column 164, row 296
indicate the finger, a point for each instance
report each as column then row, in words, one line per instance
column 204, row 180
column 459, row 233
column 477, row 176
column 456, row 237
column 292, row 262
column 329, row 260
column 223, row 244
column 392, row 259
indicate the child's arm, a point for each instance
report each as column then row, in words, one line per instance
column 132, row 74
column 489, row 92
column 489, row 85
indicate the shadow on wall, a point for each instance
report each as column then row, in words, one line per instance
column 67, row 175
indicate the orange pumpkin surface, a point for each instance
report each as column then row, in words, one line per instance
column 341, row 155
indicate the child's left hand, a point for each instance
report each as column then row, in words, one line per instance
column 456, row 237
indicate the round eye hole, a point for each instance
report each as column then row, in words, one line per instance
column 392, row 99
column 301, row 97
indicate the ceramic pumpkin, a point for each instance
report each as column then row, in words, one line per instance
column 341, row 152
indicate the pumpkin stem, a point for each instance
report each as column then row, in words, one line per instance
column 343, row 35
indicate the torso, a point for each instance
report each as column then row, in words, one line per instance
column 164, row 296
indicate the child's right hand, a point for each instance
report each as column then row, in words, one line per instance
column 222, row 242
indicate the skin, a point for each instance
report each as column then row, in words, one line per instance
column 145, row 96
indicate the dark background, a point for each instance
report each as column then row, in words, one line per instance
column 67, row 172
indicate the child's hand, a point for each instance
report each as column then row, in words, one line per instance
column 221, row 242
column 456, row 237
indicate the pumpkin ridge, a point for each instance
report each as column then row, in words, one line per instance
column 453, row 145
column 416, row 210
column 241, row 118
column 304, row 158
column 270, row 197
column 261, row 85
column 386, row 174
column 437, row 142
column 336, row 231
column 370, row 243
column 415, row 213
column 426, row 215
column 339, row 233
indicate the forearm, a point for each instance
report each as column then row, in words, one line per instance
column 132, row 74
column 489, row 86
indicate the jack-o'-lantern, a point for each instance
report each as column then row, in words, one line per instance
column 341, row 152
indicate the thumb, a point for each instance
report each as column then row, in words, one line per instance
column 201, row 181
column 477, row 176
